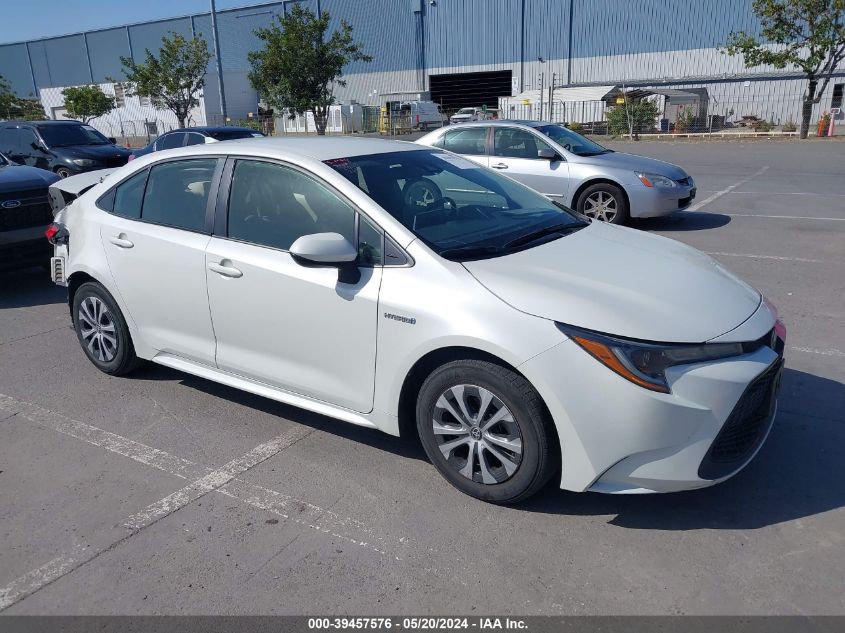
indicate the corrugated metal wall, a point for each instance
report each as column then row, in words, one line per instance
column 579, row 41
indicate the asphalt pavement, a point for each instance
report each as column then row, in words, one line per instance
column 164, row 493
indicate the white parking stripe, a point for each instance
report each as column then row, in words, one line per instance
column 824, row 352
column 721, row 193
column 215, row 479
column 775, row 257
column 221, row 480
column 782, row 217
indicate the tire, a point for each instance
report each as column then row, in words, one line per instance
column 63, row 172
column 594, row 203
column 102, row 331
column 524, row 418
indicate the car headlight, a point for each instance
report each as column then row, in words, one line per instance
column 655, row 180
column 83, row 162
column 645, row 364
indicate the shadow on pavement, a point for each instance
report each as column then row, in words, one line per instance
column 799, row 472
column 30, row 287
column 682, row 221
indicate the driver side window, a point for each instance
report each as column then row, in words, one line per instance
column 511, row 142
column 273, row 205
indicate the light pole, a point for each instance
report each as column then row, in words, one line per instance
column 216, row 38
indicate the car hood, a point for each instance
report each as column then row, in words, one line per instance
column 21, row 178
column 94, row 152
column 624, row 282
column 634, row 163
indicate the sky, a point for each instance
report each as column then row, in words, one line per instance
column 33, row 19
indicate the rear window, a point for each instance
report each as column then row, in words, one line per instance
column 230, row 135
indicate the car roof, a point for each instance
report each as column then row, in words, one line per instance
column 317, row 148
column 211, row 128
column 44, row 122
column 497, row 122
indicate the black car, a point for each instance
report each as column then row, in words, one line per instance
column 63, row 147
column 195, row 136
column 25, row 212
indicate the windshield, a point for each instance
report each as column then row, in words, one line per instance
column 457, row 208
column 229, row 135
column 68, row 135
column 465, row 111
column 3, row 161
column 572, row 141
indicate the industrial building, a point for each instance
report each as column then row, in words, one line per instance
column 459, row 53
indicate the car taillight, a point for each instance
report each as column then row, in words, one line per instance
column 56, row 233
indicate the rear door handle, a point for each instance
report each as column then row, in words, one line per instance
column 225, row 268
column 499, row 166
column 121, row 241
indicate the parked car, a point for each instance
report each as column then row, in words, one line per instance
column 63, row 147
column 195, row 136
column 24, row 215
column 403, row 288
column 571, row 169
column 424, row 114
column 467, row 115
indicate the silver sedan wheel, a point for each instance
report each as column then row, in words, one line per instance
column 477, row 434
column 96, row 326
column 601, row 205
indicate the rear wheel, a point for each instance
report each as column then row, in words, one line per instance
column 63, row 172
column 605, row 202
column 102, row 331
column 486, row 430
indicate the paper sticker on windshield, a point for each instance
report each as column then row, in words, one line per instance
column 463, row 163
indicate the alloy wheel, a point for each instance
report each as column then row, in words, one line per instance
column 477, row 434
column 601, row 205
column 96, row 326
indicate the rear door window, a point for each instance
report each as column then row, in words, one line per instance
column 128, row 196
column 177, row 193
column 170, row 141
column 471, row 141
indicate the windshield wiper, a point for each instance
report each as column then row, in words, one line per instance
column 463, row 253
column 540, row 233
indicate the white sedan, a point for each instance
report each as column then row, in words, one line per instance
column 516, row 339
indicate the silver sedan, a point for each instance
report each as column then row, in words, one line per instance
column 567, row 167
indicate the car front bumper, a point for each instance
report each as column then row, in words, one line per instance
column 23, row 248
column 617, row 437
column 651, row 202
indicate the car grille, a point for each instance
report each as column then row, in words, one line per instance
column 118, row 161
column 745, row 428
column 33, row 209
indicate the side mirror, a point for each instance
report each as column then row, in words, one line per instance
column 548, row 154
column 328, row 250
column 112, row 140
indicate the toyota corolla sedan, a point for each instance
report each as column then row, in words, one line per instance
column 569, row 168
column 407, row 289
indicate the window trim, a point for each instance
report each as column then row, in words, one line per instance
column 209, row 204
column 220, row 227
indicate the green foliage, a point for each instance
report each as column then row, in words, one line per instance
column 575, row 127
column 640, row 115
column 789, row 126
column 14, row 107
column 761, row 125
column 87, row 102
column 174, row 79
column 807, row 34
column 684, row 120
column 299, row 63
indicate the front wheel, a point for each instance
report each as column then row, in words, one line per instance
column 486, row 430
column 102, row 331
column 63, row 172
column 604, row 202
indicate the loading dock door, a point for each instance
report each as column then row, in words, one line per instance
column 465, row 90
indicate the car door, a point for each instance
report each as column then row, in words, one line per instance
column 470, row 142
column 515, row 154
column 300, row 328
column 31, row 150
column 155, row 236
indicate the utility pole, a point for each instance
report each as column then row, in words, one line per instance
column 551, row 97
column 541, row 96
column 216, row 38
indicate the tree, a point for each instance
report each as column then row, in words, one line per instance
column 174, row 79
column 636, row 116
column 299, row 66
column 14, row 107
column 87, row 102
column 805, row 34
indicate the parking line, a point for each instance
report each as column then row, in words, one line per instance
column 782, row 217
column 824, row 352
column 775, row 257
column 222, row 480
column 721, row 193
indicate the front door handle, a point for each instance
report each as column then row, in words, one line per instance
column 225, row 268
column 121, row 241
column 499, row 166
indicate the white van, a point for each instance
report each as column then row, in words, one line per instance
column 424, row 114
